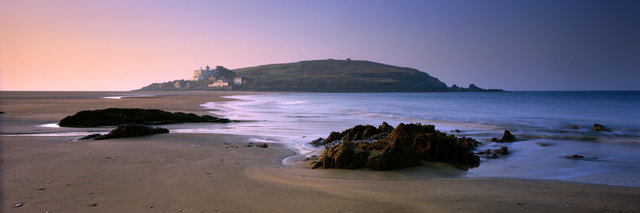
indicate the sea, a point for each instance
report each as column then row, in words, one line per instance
column 543, row 122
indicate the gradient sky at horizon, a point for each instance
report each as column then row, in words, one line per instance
column 513, row 45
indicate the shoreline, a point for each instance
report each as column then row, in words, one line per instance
column 196, row 172
column 541, row 153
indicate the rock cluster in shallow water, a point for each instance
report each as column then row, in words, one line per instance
column 386, row 148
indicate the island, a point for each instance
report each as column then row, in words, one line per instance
column 315, row 76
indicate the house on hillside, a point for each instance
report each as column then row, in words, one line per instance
column 237, row 81
column 219, row 83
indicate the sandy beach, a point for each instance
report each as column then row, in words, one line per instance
column 194, row 172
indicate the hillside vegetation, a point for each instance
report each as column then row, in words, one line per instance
column 338, row 75
column 325, row 76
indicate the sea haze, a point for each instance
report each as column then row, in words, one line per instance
column 534, row 117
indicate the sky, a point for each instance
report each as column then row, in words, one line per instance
column 117, row 45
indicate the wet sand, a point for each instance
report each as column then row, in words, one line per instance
column 221, row 173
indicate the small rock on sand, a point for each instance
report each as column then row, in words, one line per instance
column 264, row 145
column 18, row 205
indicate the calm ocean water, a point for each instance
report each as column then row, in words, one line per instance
column 534, row 117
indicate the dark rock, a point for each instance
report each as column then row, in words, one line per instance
column 264, row 145
column 502, row 150
column 385, row 127
column 312, row 157
column 494, row 153
column 128, row 130
column 369, row 132
column 406, row 145
column 91, row 136
column 598, row 127
column 357, row 132
column 574, row 157
column 360, row 132
column 507, row 137
column 574, row 127
column 333, row 136
column 317, row 142
column 346, row 155
column 92, row 204
column 117, row 116
column 1, row 112
column 472, row 88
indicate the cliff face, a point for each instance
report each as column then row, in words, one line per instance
column 326, row 76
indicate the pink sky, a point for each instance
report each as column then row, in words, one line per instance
column 113, row 46
column 120, row 45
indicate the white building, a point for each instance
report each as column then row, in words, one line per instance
column 219, row 83
column 237, row 81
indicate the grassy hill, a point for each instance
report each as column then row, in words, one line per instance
column 339, row 76
column 324, row 76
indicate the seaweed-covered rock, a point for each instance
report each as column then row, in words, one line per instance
column 360, row 132
column 117, row 116
column 404, row 146
column 128, row 130
column 345, row 155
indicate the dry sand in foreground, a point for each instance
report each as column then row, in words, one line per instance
column 219, row 173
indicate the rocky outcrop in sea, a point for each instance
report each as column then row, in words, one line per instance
column 386, row 148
